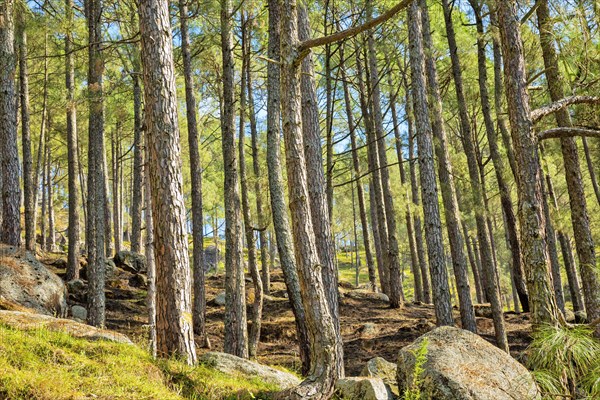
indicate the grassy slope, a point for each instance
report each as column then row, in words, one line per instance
column 39, row 364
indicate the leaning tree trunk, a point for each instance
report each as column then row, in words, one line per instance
column 281, row 223
column 73, row 161
column 174, row 326
column 95, row 229
column 320, row 323
column 10, row 229
column 531, row 214
column 459, row 260
column 579, row 214
column 257, row 305
column 236, row 335
column 196, row 175
column 431, row 210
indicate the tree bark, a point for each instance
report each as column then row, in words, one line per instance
column 531, row 215
column 499, row 166
column 174, row 325
column 150, row 263
column 281, row 223
column 323, row 338
column 236, row 334
column 317, row 190
column 28, row 183
column 591, row 170
column 95, row 229
column 459, row 261
column 10, row 229
column 359, row 186
column 51, row 240
column 396, row 294
column 136, row 196
column 579, row 214
column 72, row 150
column 199, row 307
column 258, row 187
column 431, row 210
column 257, row 305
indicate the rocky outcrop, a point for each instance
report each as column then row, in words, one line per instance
column 27, row 321
column 461, row 365
column 362, row 388
column 483, row 310
column 379, row 367
column 232, row 365
column 360, row 294
column 29, row 283
column 130, row 262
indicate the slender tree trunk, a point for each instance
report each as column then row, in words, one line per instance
column 459, row 260
column 174, row 325
column 474, row 266
column 258, row 187
column 552, row 250
column 28, row 183
column 281, row 223
column 572, row 278
column 579, row 214
column 317, row 190
column 324, row 340
column 531, row 215
column 257, row 305
column 43, row 214
column 591, row 170
column 196, row 175
column 418, row 284
column 395, row 279
column 379, row 223
column 108, row 218
column 150, row 263
column 499, row 166
column 357, row 173
column 116, row 170
column 10, row 229
column 95, row 229
column 51, row 241
column 136, row 196
column 42, row 139
column 72, row 151
column 236, row 335
column 431, row 210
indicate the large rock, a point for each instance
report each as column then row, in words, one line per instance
column 483, row 310
column 29, row 283
column 24, row 320
column 462, row 366
column 379, row 367
column 79, row 313
column 130, row 262
column 211, row 258
column 360, row 294
column 362, row 388
column 231, row 365
column 219, row 299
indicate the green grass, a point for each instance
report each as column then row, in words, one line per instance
column 40, row 364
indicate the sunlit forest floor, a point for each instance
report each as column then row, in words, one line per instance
column 369, row 327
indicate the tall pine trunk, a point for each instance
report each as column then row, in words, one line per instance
column 174, row 326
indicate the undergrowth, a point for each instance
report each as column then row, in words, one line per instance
column 565, row 361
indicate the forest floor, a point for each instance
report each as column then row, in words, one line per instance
column 369, row 327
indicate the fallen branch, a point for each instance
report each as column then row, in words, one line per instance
column 540, row 113
column 566, row 132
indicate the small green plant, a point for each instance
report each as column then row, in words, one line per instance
column 565, row 361
column 414, row 388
